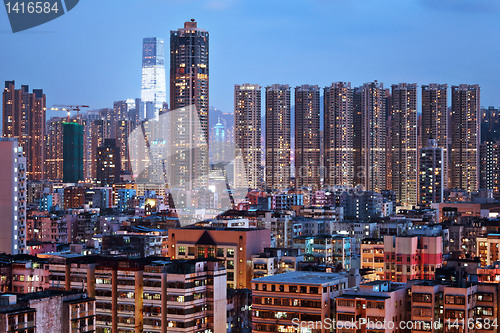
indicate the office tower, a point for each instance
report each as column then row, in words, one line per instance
column 108, row 162
column 404, row 143
column 369, row 138
column 278, row 140
column 218, row 143
column 54, row 151
column 24, row 118
column 338, row 134
column 12, row 197
column 72, row 152
column 189, row 87
column 489, row 154
column 431, row 180
column 154, row 87
column 247, row 133
column 465, row 137
column 307, row 140
column 435, row 120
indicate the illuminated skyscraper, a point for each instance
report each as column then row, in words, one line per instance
column 24, row 118
column 247, row 128
column 278, row 138
column 339, row 130
column 369, row 138
column 435, row 120
column 404, row 144
column 219, row 142
column 54, row 152
column 307, row 140
column 108, row 163
column 189, row 87
column 465, row 137
column 154, row 87
column 431, row 180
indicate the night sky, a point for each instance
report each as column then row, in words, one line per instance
column 92, row 55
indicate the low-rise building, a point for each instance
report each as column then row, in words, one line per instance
column 235, row 246
column 304, row 296
column 372, row 258
column 377, row 306
column 47, row 311
column 151, row 294
column 412, row 257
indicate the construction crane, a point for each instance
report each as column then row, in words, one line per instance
column 69, row 108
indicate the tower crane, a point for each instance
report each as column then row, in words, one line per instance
column 69, row 108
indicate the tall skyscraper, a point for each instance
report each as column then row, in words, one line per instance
column 12, row 197
column 72, row 152
column 278, row 137
column 189, row 87
column 154, row 87
column 369, row 138
column 307, row 140
column 338, row 134
column 435, row 120
column 54, row 151
column 404, row 143
column 431, row 182
column 247, row 128
column 24, row 118
column 465, row 137
column 218, row 145
column 108, row 162
column 490, row 166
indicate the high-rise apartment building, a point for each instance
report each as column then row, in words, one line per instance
column 307, row 137
column 431, row 176
column 189, row 77
column 54, row 151
column 489, row 153
column 404, row 144
column 338, row 134
column 247, row 129
column 154, row 87
column 278, row 137
column 24, row 118
column 370, row 136
column 465, row 137
column 12, row 197
column 108, row 162
column 435, row 121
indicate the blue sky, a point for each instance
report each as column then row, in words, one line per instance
column 92, row 55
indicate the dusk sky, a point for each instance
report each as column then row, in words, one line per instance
column 92, row 55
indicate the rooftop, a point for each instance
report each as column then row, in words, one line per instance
column 303, row 278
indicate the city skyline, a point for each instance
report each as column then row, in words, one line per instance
column 121, row 73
